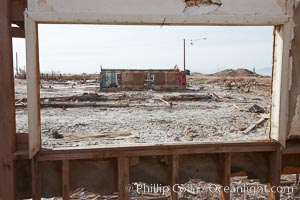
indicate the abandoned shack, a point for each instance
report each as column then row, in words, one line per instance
column 138, row 79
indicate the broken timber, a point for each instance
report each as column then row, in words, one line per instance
column 253, row 126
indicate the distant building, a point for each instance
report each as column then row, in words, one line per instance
column 137, row 79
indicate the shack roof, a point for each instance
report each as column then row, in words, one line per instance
column 139, row 70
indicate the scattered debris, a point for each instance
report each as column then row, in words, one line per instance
column 71, row 137
column 235, row 106
column 167, row 103
column 57, row 135
column 236, row 73
column 257, row 123
column 191, row 3
column 197, row 115
column 83, row 194
column 187, row 97
column 256, row 109
column 214, row 96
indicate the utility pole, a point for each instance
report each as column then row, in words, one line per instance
column 184, row 54
column 191, row 43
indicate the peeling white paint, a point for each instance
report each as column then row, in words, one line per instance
column 295, row 127
column 201, row 9
column 190, row 3
column 155, row 7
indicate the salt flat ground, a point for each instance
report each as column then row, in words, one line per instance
column 221, row 118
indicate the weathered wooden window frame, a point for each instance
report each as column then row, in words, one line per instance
column 282, row 38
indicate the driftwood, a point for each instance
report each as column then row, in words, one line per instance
column 167, row 103
column 235, row 106
column 85, row 97
column 83, row 104
column 76, row 137
column 215, row 96
column 92, row 100
column 20, row 101
column 253, row 126
column 187, row 97
column 76, row 105
column 82, row 194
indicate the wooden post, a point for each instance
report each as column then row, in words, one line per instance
column 33, row 86
column 17, row 65
column 275, row 172
column 7, row 105
column 183, row 54
column 66, row 179
column 175, row 172
column 35, row 174
column 225, row 172
column 123, row 178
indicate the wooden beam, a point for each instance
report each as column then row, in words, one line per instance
column 123, row 178
column 17, row 10
column 280, row 85
column 113, row 151
column 190, row 20
column 18, row 32
column 225, row 173
column 7, row 105
column 275, row 162
column 291, row 170
column 22, row 141
column 66, row 179
column 33, row 86
column 291, row 148
column 35, row 174
column 175, row 174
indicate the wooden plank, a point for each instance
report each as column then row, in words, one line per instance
column 254, row 125
column 18, row 32
column 225, row 163
column 35, row 181
column 291, row 170
column 117, row 19
column 291, row 148
column 123, row 177
column 17, row 9
column 110, row 151
column 151, row 150
column 168, row 7
column 275, row 162
column 21, row 142
column 280, row 85
column 261, row 145
column 175, row 174
column 66, row 179
column 7, row 105
column 33, row 89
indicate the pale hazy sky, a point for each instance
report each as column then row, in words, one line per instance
column 83, row 48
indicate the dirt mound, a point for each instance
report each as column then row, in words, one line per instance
column 236, row 73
